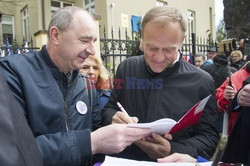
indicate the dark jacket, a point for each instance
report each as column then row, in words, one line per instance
column 103, row 97
column 238, row 145
column 48, row 99
column 238, row 65
column 170, row 94
column 245, row 131
column 17, row 143
column 219, row 70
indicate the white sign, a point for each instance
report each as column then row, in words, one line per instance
column 124, row 20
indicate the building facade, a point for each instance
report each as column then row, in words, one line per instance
column 119, row 13
column 27, row 20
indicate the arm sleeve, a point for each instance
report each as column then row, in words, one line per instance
column 201, row 159
column 65, row 148
column 96, row 112
column 61, row 148
column 204, row 135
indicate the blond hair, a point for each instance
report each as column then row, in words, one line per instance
column 237, row 53
column 103, row 72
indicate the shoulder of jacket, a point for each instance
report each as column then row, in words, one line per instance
column 16, row 59
column 132, row 61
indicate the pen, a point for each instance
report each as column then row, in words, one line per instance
column 122, row 109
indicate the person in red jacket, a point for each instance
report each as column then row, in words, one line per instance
column 226, row 93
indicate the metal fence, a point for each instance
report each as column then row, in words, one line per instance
column 113, row 51
column 15, row 49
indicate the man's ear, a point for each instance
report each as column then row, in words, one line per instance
column 181, row 41
column 54, row 35
column 141, row 46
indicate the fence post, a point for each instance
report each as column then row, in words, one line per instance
column 193, row 46
column 31, row 43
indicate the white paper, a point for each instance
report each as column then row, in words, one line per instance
column 114, row 161
column 164, row 125
column 156, row 126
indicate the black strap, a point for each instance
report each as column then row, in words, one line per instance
column 89, row 90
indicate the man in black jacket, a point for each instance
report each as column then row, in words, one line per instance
column 219, row 70
column 238, row 145
column 160, row 85
column 243, row 99
column 18, row 146
column 54, row 97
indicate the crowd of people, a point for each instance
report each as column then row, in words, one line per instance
column 67, row 103
column 231, row 73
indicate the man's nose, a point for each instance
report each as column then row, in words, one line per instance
column 90, row 49
column 159, row 56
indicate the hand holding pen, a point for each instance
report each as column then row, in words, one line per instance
column 122, row 117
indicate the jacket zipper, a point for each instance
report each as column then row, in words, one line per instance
column 65, row 105
column 66, row 117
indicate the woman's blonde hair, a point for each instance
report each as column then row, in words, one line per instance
column 238, row 53
column 103, row 72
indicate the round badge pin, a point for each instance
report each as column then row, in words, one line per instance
column 81, row 107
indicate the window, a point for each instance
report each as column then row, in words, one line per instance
column 86, row 2
column 89, row 5
column 25, row 20
column 191, row 23
column 7, row 28
column 55, row 5
column 160, row 3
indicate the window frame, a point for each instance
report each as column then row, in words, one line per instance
column 25, row 24
column 191, row 21
column 90, row 7
column 54, row 9
column 13, row 28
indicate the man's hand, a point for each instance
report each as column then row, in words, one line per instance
column 177, row 157
column 122, row 118
column 244, row 96
column 157, row 146
column 115, row 138
column 230, row 92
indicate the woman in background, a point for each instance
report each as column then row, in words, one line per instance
column 93, row 67
column 237, row 61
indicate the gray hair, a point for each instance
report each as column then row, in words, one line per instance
column 164, row 14
column 63, row 17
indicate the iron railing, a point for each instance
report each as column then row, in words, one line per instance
column 15, row 49
column 113, row 51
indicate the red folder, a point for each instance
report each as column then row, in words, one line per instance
column 167, row 125
column 191, row 117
